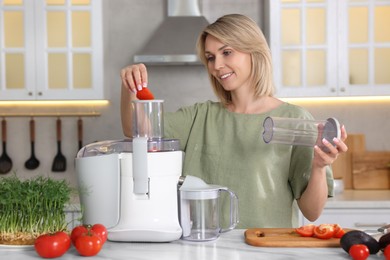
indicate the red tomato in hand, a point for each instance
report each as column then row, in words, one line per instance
column 386, row 252
column 52, row 245
column 88, row 244
column 145, row 94
column 359, row 252
column 306, row 231
column 78, row 231
column 324, row 231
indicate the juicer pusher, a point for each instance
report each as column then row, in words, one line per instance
column 297, row 131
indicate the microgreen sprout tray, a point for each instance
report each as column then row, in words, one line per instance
column 29, row 208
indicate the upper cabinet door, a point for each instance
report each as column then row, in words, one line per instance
column 17, row 52
column 315, row 52
column 364, row 52
column 61, row 54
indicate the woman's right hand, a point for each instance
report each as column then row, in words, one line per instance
column 135, row 77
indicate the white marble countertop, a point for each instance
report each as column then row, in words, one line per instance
column 230, row 245
column 360, row 199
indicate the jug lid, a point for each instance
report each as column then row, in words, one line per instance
column 194, row 188
column 206, row 194
column 192, row 183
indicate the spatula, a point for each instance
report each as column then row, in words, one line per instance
column 5, row 161
column 59, row 163
column 32, row 163
column 80, row 132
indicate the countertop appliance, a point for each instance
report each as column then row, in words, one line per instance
column 130, row 185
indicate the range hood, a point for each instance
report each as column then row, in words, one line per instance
column 174, row 42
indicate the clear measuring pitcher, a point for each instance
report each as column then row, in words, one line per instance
column 296, row 131
column 200, row 210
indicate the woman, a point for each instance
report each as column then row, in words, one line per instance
column 222, row 140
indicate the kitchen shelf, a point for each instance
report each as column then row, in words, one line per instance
column 70, row 114
column 53, row 108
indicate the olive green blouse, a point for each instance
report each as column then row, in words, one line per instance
column 227, row 149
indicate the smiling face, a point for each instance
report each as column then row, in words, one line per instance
column 230, row 67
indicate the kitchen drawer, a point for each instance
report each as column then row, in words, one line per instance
column 354, row 218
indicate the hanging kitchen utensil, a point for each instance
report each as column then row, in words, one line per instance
column 80, row 132
column 59, row 163
column 32, row 163
column 5, row 161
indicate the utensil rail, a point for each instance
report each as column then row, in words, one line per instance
column 70, row 114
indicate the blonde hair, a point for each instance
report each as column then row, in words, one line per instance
column 243, row 34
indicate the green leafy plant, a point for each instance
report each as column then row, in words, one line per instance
column 31, row 207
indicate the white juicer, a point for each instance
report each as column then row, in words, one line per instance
column 130, row 186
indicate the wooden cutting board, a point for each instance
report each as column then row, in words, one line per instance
column 285, row 237
column 342, row 167
column 371, row 170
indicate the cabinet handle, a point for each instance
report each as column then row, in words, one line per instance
column 332, row 90
column 361, row 224
column 342, row 89
column 39, row 93
column 30, row 93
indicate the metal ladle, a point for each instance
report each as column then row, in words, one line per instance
column 32, row 163
column 5, row 161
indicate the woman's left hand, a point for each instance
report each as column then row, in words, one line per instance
column 323, row 158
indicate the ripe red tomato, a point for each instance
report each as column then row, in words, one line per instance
column 98, row 229
column 359, row 252
column 78, row 231
column 101, row 231
column 52, row 245
column 145, row 94
column 324, row 231
column 386, row 252
column 306, row 231
column 88, row 244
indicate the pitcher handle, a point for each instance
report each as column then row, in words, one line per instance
column 234, row 219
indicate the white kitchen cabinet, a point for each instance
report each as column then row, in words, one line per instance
column 356, row 209
column 362, row 219
column 330, row 48
column 51, row 50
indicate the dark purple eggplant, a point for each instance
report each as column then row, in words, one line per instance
column 359, row 237
column 384, row 240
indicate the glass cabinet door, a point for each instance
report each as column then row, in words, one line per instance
column 51, row 49
column 330, row 48
column 305, row 46
column 17, row 52
column 71, row 50
column 365, row 48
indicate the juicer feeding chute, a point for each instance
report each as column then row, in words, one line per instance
column 147, row 125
